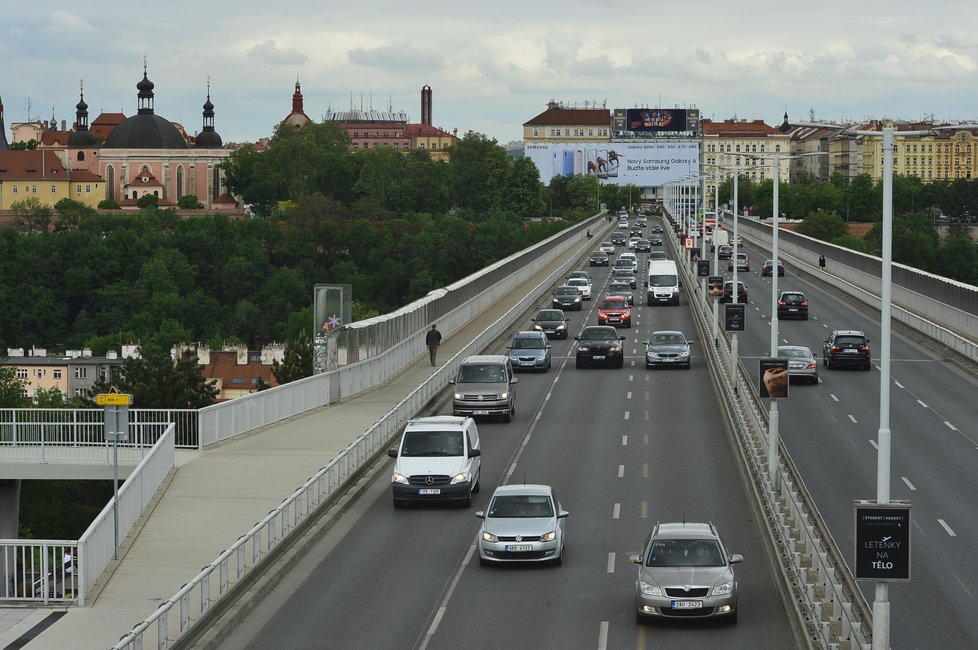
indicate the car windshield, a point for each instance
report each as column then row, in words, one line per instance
column 608, row 303
column 662, row 280
column 528, row 343
column 684, row 553
column 521, row 505
column 667, row 339
column 432, row 443
column 599, row 334
column 550, row 315
column 478, row 373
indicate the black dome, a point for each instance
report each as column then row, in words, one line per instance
column 208, row 140
column 82, row 139
column 145, row 131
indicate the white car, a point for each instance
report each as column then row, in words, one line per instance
column 631, row 257
column 524, row 523
column 631, row 242
column 583, row 285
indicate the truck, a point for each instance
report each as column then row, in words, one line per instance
column 720, row 238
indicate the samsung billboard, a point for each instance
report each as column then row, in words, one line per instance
column 643, row 164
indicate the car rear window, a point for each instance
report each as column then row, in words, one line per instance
column 850, row 340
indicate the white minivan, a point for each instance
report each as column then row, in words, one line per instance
column 663, row 282
column 438, row 459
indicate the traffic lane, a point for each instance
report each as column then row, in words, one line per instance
column 608, row 463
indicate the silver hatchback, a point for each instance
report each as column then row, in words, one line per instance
column 684, row 572
column 524, row 523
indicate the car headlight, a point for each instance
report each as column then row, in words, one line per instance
column 723, row 590
column 489, row 537
column 583, row 348
column 577, row 299
column 461, row 477
column 458, row 395
column 649, row 589
column 549, row 537
column 653, row 355
column 399, row 478
column 616, row 348
column 560, row 327
column 684, row 353
column 537, row 328
column 503, row 396
column 627, row 313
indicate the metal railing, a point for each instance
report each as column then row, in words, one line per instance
column 192, row 603
column 42, row 571
column 830, row 604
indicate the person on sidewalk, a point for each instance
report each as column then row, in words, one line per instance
column 432, row 339
column 821, row 262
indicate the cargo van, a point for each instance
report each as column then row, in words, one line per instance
column 663, row 282
column 485, row 385
column 438, row 459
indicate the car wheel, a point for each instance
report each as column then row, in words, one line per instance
column 509, row 415
column 557, row 561
column 688, row 365
column 548, row 365
column 732, row 619
column 805, row 317
column 642, row 619
column 815, row 380
column 825, row 361
column 868, row 366
column 483, row 561
column 398, row 504
column 467, row 501
column 478, row 483
column 831, row 365
column 621, row 363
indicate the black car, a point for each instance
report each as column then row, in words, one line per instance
column 655, row 240
column 768, row 268
column 618, row 238
column 792, row 304
column 725, row 252
column 656, row 228
column 846, row 348
column 728, row 292
column 643, row 246
column 551, row 322
column 599, row 345
column 598, row 258
column 567, row 297
column 625, row 275
column 623, row 289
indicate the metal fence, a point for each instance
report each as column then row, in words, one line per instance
column 39, row 570
column 54, row 428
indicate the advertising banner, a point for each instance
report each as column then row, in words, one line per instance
column 656, row 120
column 734, row 317
column 773, row 378
column 714, row 286
column 643, row 164
column 882, row 541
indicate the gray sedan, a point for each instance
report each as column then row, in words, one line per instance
column 524, row 523
column 802, row 365
column 667, row 348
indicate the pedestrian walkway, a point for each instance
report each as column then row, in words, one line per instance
column 218, row 494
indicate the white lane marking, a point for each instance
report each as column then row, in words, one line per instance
column 907, row 481
column 825, row 326
column 631, row 377
column 548, row 396
column 645, row 440
column 785, row 340
column 539, row 414
column 624, row 440
column 966, row 590
column 899, row 385
column 616, row 511
column 947, row 528
column 627, row 415
column 603, row 636
column 875, row 446
column 851, row 417
column 645, row 470
column 644, row 510
column 950, row 426
column 833, row 397
column 611, row 562
column 628, row 395
column 448, row 595
column 621, row 471
column 922, row 404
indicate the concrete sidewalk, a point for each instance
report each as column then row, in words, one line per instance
column 218, row 494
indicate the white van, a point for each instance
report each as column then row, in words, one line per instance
column 663, row 282
column 438, row 459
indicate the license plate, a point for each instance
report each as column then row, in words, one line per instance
column 480, row 412
column 687, row 604
column 614, row 320
column 429, row 490
column 850, row 351
column 792, row 309
column 598, row 356
column 519, row 548
column 526, row 363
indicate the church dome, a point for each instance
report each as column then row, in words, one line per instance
column 145, row 130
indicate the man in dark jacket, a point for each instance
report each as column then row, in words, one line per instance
column 432, row 339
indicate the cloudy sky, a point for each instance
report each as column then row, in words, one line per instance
column 494, row 65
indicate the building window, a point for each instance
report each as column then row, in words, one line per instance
column 88, row 189
column 57, row 373
column 15, row 189
column 434, row 145
column 81, row 392
column 81, row 155
column 81, row 372
column 33, row 189
column 21, row 373
column 536, row 132
column 39, row 372
column 590, row 132
column 78, row 189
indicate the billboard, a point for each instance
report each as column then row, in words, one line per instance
column 658, row 121
column 643, row 164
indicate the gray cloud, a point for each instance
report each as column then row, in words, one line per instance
column 398, row 54
column 268, row 52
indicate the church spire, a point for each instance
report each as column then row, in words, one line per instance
column 3, row 129
column 297, row 97
column 208, row 138
column 81, row 137
column 145, row 97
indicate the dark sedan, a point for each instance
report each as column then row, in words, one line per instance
column 598, row 258
column 599, row 345
column 551, row 322
column 655, row 240
column 792, row 304
column 768, row 268
column 643, row 246
column 622, row 289
column 728, row 292
column 667, row 348
column 625, row 275
column 567, row 297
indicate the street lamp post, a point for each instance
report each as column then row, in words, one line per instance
column 735, row 293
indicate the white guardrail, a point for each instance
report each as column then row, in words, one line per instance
column 829, row 603
column 194, row 600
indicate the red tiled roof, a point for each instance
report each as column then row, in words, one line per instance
column 571, row 116
column 31, row 166
column 425, row 131
column 735, row 128
column 139, row 182
column 49, row 138
column 104, row 124
column 225, row 199
column 85, row 176
column 235, row 376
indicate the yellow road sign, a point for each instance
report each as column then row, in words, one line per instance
column 113, row 399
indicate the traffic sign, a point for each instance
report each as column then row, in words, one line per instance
column 113, row 399
column 688, row 243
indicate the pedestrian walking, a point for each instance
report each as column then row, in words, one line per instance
column 432, row 339
column 821, row 262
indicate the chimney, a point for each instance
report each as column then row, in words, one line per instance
column 111, row 354
column 38, row 352
column 15, row 352
column 87, row 353
column 426, row 105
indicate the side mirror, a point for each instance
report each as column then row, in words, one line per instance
column 480, row 514
column 474, row 452
column 621, row 338
column 867, row 341
column 690, row 342
column 566, row 319
column 548, row 346
column 634, row 558
column 451, row 382
column 509, row 347
column 577, row 338
column 736, row 558
column 825, row 340
column 562, row 514
column 514, row 380
column 392, row 453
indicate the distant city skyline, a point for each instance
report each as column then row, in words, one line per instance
column 493, row 67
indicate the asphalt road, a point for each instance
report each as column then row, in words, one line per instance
column 622, row 447
column 831, row 431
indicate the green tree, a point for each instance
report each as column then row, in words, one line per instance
column 824, row 226
column 959, row 259
column 189, row 202
column 12, row 389
column 51, row 398
column 30, row 215
column 148, row 202
column 481, row 172
column 108, row 204
column 525, row 195
column 28, row 145
column 297, row 361
column 69, row 214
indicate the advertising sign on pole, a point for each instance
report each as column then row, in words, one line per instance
column 734, row 317
column 714, row 286
column 882, row 541
column 772, row 380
